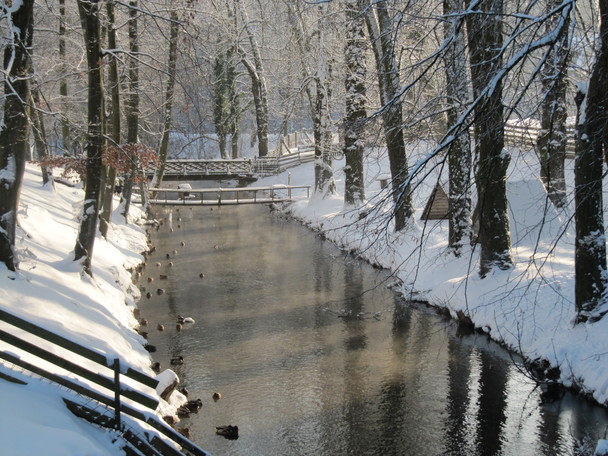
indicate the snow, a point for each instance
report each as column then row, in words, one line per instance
column 529, row 308
column 50, row 291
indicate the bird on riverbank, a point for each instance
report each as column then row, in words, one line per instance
column 156, row 366
column 160, row 327
column 216, row 396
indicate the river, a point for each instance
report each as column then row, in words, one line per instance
column 314, row 355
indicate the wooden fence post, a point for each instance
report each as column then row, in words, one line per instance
column 117, row 393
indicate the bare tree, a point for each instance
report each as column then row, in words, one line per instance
column 381, row 30
column 88, row 220
column 457, row 94
column 354, row 82
column 590, row 245
column 484, row 23
column 14, row 136
column 552, row 139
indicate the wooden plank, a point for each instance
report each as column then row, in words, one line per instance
column 99, row 379
column 74, row 347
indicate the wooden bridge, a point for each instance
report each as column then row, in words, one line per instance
column 225, row 196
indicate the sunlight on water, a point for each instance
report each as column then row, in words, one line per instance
column 313, row 355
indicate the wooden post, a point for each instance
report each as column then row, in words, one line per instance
column 117, row 423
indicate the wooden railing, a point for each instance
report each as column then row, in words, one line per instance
column 525, row 134
column 112, row 383
column 226, row 196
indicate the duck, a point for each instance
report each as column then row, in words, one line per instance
column 182, row 320
column 216, row 396
column 168, row 256
column 194, row 405
column 175, row 252
column 183, row 412
column 183, row 244
column 184, row 431
column 150, row 348
column 169, row 419
column 184, row 391
column 229, row 431
column 177, row 361
column 170, row 264
column 178, row 327
column 163, row 277
column 156, row 366
column 143, row 334
column 160, row 327
column 157, row 264
column 143, row 322
column 160, row 291
column 201, row 275
column 148, row 295
column 150, row 279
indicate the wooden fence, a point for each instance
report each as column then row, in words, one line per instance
column 112, row 383
column 525, row 134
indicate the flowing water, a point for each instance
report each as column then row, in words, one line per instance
column 314, row 355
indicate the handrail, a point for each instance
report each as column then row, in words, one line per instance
column 74, row 347
column 98, row 358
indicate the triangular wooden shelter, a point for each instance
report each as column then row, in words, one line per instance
column 438, row 205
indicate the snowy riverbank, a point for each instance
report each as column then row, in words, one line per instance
column 529, row 308
column 50, row 291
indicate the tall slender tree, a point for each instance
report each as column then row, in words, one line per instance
column 89, row 15
column 381, row 30
column 590, row 245
column 63, row 83
column 457, row 94
column 169, row 95
column 14, row 136
column 484, row 28
column 553, row 136
column 354, row 83
column 113, row 124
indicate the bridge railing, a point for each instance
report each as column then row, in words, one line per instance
column 227, row 196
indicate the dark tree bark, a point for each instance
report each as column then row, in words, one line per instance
column 169, row 93
column 88, row 222
column 109, row 179
column 258, row 83
column 40, row 136
column 553, row 136
column 63, row 84
column 485, row 41
column 132, row 109
column 459, row 159
column 381, row 32
column 14, row 137
column 354, row 83
column 590, row 250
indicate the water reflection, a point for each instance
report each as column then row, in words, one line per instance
column 314, row 356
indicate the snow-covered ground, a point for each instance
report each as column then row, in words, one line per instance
column 50, row 291
column 529, row 308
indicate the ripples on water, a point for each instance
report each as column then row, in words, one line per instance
column 313, row 354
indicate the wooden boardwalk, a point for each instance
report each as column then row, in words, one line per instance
column 225, row 196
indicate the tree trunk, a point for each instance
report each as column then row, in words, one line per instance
column 459, row 160
column 324, row 174
column 40, row 136
column 88, row 222
column 553, row 136
column 354, row 83
column 109, row 180
column 381, row 34
column 63, row 84
column 14, row 137
column 169, row 92
column 485, row 42
column 258, row 84
column 590, row 251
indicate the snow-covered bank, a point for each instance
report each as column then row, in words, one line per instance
column 50, row 291
column 529, row 308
